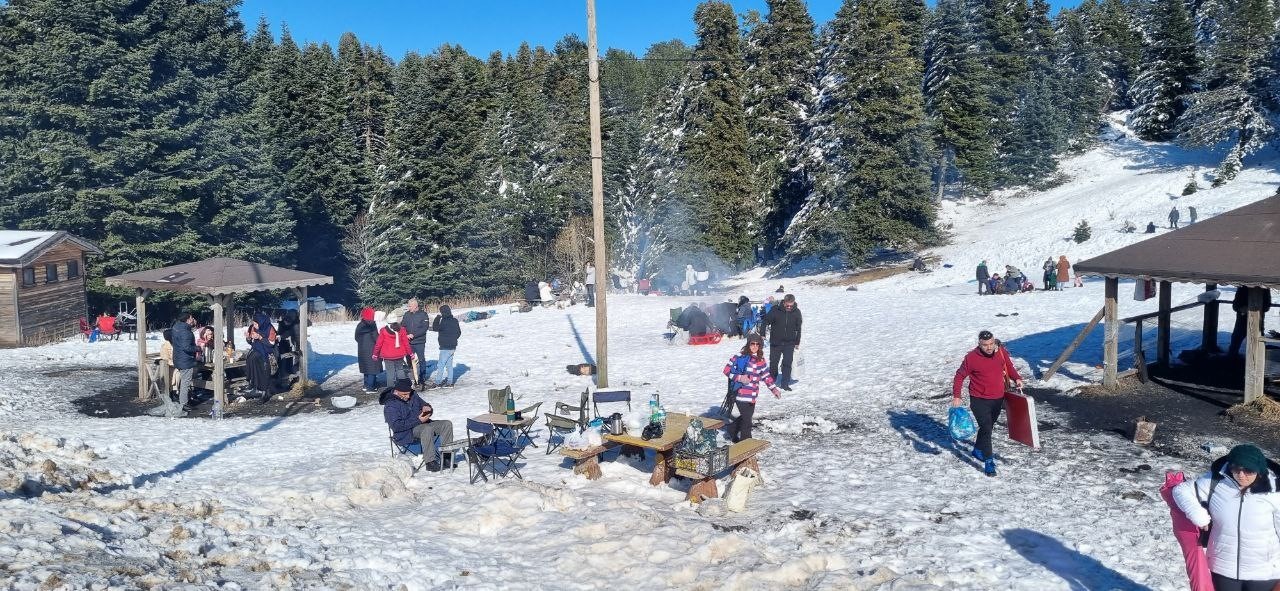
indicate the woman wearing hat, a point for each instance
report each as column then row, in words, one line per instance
column 393, row 348
column 1238, row 505
column 747, row 370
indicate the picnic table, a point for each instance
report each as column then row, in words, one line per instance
column 672, row 433
column 510, row 430
column 741, row 455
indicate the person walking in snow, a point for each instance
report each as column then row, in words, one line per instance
column 1191, row 215
column 1238, row 504
column 448, row 329
column 986, row 367
column 366, row 340
column 983, row 277
column 410, row 419
column 591, row 284
column 783, row 324
column 1173, row 217
column 416, row 324
column 690, row 280
column 393, row 348
column 746, row 371
column 1050, row 274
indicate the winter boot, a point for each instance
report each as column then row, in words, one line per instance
column 989, row 468
column 977, row 454
column 432, row 466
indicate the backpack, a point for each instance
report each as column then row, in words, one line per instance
column 1213, row 483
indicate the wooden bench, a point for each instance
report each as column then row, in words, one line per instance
column 741, row 455
column 587, row 461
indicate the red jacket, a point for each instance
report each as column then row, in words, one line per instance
column 986, row 374
column 392, row 345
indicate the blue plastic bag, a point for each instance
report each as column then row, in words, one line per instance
column 961, row 424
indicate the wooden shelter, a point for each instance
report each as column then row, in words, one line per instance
column 1239, row 248
column 219, row 280
column 42, row 285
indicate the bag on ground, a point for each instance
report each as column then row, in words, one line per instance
column 797, row 365
column 735, row 499
column 961, row 424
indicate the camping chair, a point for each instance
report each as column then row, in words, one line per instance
column 610, row 396
column 486, row 450
column 86, row 331
column 498, row 400
column 107, row 328
column 453, row 448
column 567, row 410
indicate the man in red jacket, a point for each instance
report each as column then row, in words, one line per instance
column 986, row 367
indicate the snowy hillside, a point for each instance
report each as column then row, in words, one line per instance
column 860, row 476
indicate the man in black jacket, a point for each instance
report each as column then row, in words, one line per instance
column 416, row 322
column 449, row 330
column 184, row 360
column 782, row 324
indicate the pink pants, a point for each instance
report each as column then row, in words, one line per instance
column 1188, row 536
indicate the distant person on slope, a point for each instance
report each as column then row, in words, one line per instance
column 1064, row 271
column 590, row 281
column 746, row 371
column 1192, row 211
column 1238, row 505
column 783, row 324
column 1050, row 274
column 984, row 277
column 1173, row 217
column 986, row 367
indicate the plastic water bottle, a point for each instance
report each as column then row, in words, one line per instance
column 653, row 408
column 661, row 417
column 216, row 413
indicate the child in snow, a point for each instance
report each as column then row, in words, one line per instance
column 747, row 370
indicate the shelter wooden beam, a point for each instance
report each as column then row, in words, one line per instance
column 1209, row 334
column 1254, row 348
column 140, row 305
column 1163, row 352
column 300, row 347
column 1111, row 344
column 1057, row 363
column 219, row 349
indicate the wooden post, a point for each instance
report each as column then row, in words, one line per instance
column 300, row 348
column 1139, row 357
column 1057, row 363
column 1162, row 323
column 219, row 353
column 1254, row 349
column 141, row 309
column 229, row 316
column 1209, row 335
column 1111, row 344
column 597, row 201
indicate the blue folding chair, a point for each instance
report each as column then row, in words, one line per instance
column 486, row 451
column 415, row 450
column 610, row 396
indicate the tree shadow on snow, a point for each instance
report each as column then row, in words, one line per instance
column 582, row 346
column 928, row 435
column 194, row 460
column 1082, row 573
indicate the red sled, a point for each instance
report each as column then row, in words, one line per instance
column 1023, row 427
column 706, row 339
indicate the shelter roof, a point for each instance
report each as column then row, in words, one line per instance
column 218, row 276
column 1238, row 247
column 20, row 247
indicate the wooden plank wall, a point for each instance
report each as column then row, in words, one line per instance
column 51, row 311
column 8, row 307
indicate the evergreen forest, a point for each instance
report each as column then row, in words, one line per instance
column 168, row 131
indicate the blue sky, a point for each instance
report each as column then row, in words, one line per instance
column 482, row 26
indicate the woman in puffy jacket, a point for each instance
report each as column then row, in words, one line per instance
column 747, row 370
column 392, row 348
column 1237, row 503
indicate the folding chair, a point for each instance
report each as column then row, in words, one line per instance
column 498, row 400
column 567, row 410
column 486, row 450
column 610, row 396
column 85, row 329
column 530, row 414
column 561, row 427
column 413, row 449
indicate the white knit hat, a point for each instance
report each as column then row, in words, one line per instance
column 393, row 316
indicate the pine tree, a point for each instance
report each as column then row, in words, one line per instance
column 1117, row 44
column 1007, row 63
column 1081, row 90
column 779, row 73
column 958, row 100
column 1237, row 104
column 1167, row 73
column 715, row 137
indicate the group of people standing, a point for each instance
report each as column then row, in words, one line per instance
column 398, row 348
column 1056, row 275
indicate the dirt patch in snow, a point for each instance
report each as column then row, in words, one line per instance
column 122, row 401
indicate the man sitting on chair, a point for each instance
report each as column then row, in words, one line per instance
column 410, row 418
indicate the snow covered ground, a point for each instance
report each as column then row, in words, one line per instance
column 861, row 475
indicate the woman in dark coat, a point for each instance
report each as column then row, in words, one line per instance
column 366, row 338
column 258, row 363
column 288, row 341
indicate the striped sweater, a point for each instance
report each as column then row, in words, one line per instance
column 757, row 370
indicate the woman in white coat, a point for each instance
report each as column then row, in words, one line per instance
column 1238, row 504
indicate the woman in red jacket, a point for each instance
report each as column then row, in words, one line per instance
column 986, row 367
column 393, row 348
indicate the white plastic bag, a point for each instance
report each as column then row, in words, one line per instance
column 797, row 365
column 736, row 498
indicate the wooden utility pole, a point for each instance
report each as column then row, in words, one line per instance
column 597, row 202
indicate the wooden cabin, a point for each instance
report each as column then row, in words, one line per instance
column 42, row 286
